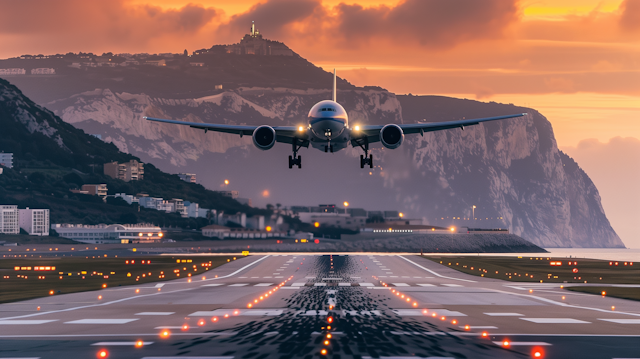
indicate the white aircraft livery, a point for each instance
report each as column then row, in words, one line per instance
column 328, row 130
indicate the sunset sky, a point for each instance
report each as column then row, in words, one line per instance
column 576, row 61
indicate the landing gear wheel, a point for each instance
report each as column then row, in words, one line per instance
column 295, row 161
column 371, row 161
column 361, row 161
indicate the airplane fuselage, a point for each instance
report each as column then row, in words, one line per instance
column 328, row 126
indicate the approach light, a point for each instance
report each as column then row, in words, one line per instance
column 103, row 354
column 139, row 344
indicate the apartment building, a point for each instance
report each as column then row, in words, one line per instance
column 127, row 171
column 9, row 223
column 95, row 189
column 34, row 221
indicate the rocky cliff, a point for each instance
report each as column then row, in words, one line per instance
column 511, row 170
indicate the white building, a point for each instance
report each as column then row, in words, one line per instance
column 34, row 221
column 13, row 71
column 151, row 202
column 193, row 209
column 127, row 197
column 9, row 223
column 178, row 207
column 256, row 222
column 112, row 233
column 6, row 159
column 222, row 232
column 188, row 177
column 43, row 71
column 238, row 218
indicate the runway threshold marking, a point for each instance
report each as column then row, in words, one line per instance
column 435, row 273
column 155, row 313
column 555, row 321
column 419, row 312
column 134, row 297
column 516, row 344
column 101, row 321
column 26, row 322
column 622, row 321
column 504, row 314
column 106, row 344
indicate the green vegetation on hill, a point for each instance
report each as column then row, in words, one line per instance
column 51, row 157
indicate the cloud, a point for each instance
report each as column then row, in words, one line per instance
column 630, row 17
column 427, row 23
column 275, row 17
column 614, row 167
column 431, row 23
column 113, row 22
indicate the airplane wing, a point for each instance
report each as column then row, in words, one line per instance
column 284, row 134
column 372, row 132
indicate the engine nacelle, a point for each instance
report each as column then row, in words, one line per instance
column 264, row 137
column 391, row 136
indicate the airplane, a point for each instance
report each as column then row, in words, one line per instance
column 328, row 129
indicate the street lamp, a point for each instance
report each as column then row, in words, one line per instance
column 473, row 211
column 346, row 204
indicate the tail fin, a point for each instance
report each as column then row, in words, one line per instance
column 334, row 85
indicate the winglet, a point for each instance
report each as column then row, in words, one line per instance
column 334, row 85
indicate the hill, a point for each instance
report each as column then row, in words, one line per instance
column 511, row 170
column 52, row 156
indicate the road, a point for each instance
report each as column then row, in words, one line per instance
column 285, row 306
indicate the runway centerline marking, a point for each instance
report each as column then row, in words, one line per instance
column 504, row 314
column 137, row 296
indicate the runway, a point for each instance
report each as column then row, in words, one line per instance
column 284, row 306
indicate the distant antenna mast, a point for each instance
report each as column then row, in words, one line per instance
column 334, row 85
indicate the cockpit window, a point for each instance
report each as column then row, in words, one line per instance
column 328, row 109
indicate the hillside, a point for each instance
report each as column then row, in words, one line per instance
column 51, row 156
column 511, row 170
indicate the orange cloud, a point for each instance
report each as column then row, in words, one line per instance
column 114, row 23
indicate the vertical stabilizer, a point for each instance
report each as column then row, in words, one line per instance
column 334, row 85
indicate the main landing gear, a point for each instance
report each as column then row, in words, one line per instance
column 367, row 159
column 296, row 160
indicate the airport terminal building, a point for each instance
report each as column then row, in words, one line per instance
column 111, row 233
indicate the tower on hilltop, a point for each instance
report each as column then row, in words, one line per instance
column 253, row 44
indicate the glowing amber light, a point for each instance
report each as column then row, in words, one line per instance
column 357, row 128
column 103, row 354
column 185, row 327
column 165, row 334
column 506, row 343
column 330, row 320
column 485, row 334
column 268, row 228
column 50, row 292
column 226, row 181
column 139, row 343
column 300, row 128
column 326, row 342
column 323, row 352
column 466, row 327
column 329, row 336
column 316, row 224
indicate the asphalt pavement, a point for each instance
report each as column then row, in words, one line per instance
column 316, row 306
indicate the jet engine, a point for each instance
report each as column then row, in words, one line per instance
column 391, row 136
column 264, row 137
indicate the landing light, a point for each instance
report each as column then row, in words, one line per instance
column 301, row 129
column 357, row 128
